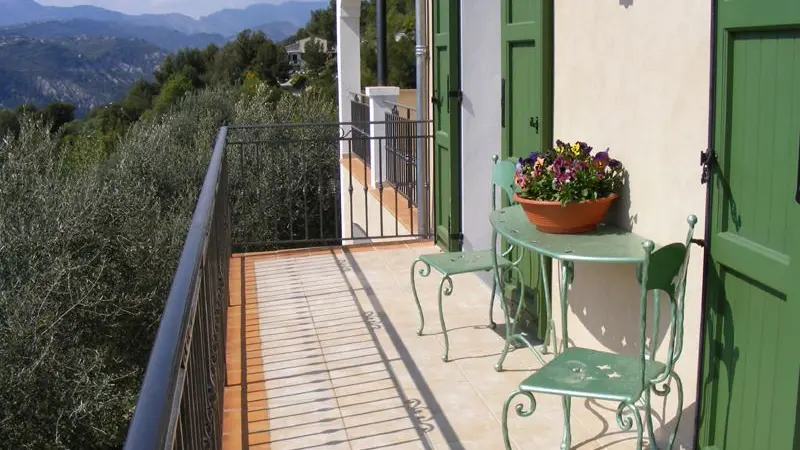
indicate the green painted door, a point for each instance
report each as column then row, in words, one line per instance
column 446, row 124
column 751, row 361
column 527, row 105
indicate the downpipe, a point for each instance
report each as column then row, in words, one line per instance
column 422, row 160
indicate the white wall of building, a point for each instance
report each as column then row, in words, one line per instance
column 348, row 44
column 480, row 115
column 633, row 75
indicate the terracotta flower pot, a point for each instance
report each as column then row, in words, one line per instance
column 574, row 218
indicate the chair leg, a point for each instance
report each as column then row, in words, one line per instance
column 498, row 366
column 566, row 441
column 424, row 272
column 626, row 423
column 444, row 291
column 521, row 412
column 663, row 393
column 649, row 419
column 511, row 327
column 492, row 325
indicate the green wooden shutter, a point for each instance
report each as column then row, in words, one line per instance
column 751, row 362
column 446, row 124
column 527, row 96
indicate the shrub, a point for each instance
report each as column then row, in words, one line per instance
column 89, row 245
column 285, row 180
column 86, row 260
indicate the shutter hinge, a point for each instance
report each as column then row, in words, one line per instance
column 707, row 160
column 457, row 94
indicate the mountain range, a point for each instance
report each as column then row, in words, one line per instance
column 89, row 56
column 225, row 22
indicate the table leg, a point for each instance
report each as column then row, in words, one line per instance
column 511, row 335
column 549, row 332
column 498, row 282
column 567, row 275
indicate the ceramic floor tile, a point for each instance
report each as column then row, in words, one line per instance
column 334, row 361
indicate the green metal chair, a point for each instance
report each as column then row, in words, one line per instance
column 581, row 372
column 449, row 264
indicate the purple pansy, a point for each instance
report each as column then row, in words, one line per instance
column 601, row 159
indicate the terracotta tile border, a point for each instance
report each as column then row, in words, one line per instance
column 310, row 251
column 257, row 418
column 232, row 425
column 359, row 173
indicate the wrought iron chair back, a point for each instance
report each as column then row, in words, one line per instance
column 449, row 264
column 503, row 172
column 666, row 273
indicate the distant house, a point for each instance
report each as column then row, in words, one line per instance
column 297, row 49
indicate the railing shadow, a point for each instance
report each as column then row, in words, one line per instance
column 348, row 381
column 428, row 398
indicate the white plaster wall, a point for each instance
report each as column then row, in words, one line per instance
column 480, row 115
column 633, row 75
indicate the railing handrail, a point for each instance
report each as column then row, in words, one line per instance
column 317, row 124
column 150, row 427
column 400, row 105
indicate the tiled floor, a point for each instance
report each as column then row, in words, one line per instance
column 333, row 361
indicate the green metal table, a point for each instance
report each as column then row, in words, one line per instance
column 607, row 244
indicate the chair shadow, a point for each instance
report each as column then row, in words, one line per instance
column 722, row 344
column 662, row 430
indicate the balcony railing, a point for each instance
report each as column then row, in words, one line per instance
column 359, row 111
column 401, row 151
column 180, row 402
column 267, row 187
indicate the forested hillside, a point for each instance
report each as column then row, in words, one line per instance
column 84, row 71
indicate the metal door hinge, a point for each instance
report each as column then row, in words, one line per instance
column 458, row 95
column 457, row 237
column 699, row 242
column 707, row 160
column 534, row 123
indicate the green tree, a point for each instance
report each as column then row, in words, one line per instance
column 400, row 54
column 57, row 115
column 174, row 90
column 315, row 56
column 139, row 98
column 323, row 23
column 9, row 123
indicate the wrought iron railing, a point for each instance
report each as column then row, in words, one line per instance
column 359, row 115
column 292, row 186
column 267, row 187
column 180, row 402
column 401, row 151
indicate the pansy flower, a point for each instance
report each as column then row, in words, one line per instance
column 601, row 159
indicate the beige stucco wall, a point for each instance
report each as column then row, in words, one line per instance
column 633, row 75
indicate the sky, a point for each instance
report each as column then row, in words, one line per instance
column 194, row 8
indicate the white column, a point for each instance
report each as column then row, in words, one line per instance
column 348, row 54
column 381, row 100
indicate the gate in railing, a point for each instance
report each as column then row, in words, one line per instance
column 359, row 115
column 401, row 151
